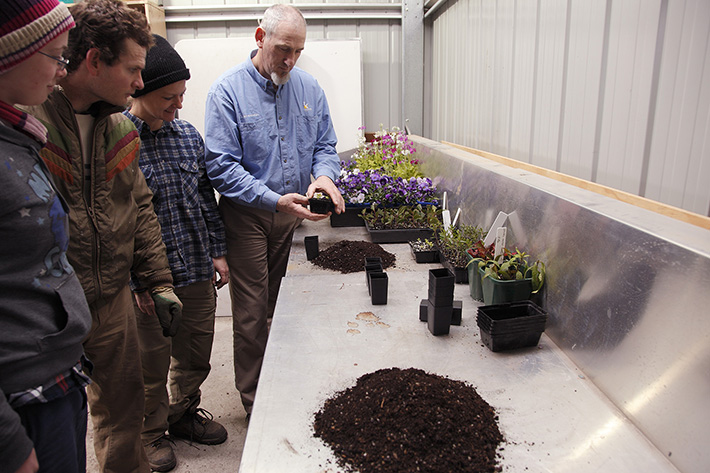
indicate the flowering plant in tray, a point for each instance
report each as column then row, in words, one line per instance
column 375, row 186
column 390, row 150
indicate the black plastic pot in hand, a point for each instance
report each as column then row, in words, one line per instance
column 321, row 205
column 311, row 244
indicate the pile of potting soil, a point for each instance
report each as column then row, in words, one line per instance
column 349, row 256
column 396, row 420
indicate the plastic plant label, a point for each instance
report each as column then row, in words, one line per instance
column 446, row 219
column 497, row 223
column 501, row 233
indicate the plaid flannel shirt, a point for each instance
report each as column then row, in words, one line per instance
column 172, row 160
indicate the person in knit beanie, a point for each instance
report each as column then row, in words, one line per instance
column 172, row 159
column 44, row 316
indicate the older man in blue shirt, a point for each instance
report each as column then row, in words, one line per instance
column 267, row 131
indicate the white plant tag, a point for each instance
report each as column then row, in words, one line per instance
column 456, row 217
column 446, row 219
column 491, row 235
column 501, row 233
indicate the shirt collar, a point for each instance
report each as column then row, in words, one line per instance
column 263, row 82
column 140, row 125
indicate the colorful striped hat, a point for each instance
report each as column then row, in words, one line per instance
column 26, row 26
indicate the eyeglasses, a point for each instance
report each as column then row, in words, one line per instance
column 61, row 62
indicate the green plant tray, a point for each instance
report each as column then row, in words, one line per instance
column 398, row 235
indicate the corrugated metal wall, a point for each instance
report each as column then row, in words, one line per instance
column 616, row 91
column 381, row 50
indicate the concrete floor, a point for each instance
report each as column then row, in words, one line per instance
column 220, row 397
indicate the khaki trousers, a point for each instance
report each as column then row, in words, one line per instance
column 116, row 398
column 258, row 247
column 186, row 356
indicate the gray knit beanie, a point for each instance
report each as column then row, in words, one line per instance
column 163, row 66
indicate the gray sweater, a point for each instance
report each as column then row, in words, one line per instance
column 44, row 316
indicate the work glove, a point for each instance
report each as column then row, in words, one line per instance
column 168, row 308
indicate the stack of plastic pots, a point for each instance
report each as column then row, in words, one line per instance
column 377, row 280
column 440, row 304
column 512, row 325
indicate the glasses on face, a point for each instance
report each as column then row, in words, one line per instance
column 61, row 62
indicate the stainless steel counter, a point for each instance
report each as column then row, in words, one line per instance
column 326, row 333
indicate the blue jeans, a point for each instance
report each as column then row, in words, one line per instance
column 58, row 431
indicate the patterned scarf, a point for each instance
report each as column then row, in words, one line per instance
column 23, row 122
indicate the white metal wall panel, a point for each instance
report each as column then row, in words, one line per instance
column 615, row 92
column 502, row 52
column 525, row 39
column 679, row 162
column 586, row 37
column 549, row 72
column 632, row 44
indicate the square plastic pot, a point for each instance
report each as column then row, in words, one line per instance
column 427, row 256
column 456, row 312
column 438, row 319
column 423, row 304
column 378, row 287
column 321, row 205
column 511, row 341
column 371, row 267
column 499, row 292
column 311, row 244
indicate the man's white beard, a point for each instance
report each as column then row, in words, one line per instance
column 280, row 80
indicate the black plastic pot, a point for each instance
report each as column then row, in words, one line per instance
column 438, row 319
column 321, row 205
column 372, row 265
column 441, row 287
column 426, row 256
column 311, row 244
column 456, row 312
column 510, row 326
column 460, row 274
column 378, row 287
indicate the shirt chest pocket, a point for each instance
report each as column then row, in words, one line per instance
column 307, row 133
column 190, row 178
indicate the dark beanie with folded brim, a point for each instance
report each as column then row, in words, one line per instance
column 163, row 66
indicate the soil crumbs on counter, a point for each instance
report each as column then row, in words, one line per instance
column 349, row 256
column 397, row 420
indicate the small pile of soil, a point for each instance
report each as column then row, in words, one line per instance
column 396, row 420
column 349, row 256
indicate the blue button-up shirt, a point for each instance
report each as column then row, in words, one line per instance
column 263, row 143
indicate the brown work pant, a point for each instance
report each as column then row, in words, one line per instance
column 258, row 246
column 116, row 397
column 186, row 356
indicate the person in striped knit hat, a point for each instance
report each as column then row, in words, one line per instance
column 44, row 316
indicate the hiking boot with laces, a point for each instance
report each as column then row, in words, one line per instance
column 160, row 455
column 199, row 427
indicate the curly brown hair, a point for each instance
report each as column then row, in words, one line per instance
column 104, row 24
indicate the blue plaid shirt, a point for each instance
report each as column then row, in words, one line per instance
column 172, row 160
